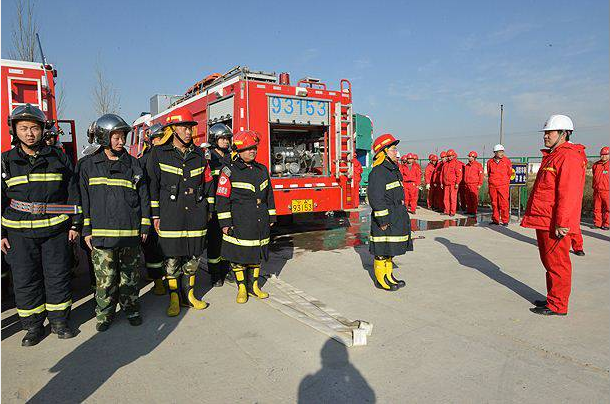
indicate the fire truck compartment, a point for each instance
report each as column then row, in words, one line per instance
column 298, row 151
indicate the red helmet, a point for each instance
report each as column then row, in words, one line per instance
column 443, row 154
column 604, row 150
column 384, row 141
column 433, row 157
column 473, row 154
column 404, row 158
column 415, row 156
column 180, row 116
column 410, row 155
column 451, row 152
column 245, row 139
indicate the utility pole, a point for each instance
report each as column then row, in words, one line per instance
column 502, row 124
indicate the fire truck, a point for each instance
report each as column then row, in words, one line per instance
column 307, row 136
column 33, row 83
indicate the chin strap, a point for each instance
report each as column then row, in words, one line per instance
column 117, row 153
column 185, row 144
column 563, row 133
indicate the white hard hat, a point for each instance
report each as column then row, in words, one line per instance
column 558, row 122
column 498, row 147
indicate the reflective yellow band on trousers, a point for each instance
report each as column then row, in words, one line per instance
column 197, row 171
column 154, row 204
column 59, row 306
column 380, row 213
column 145, row 221
column 113, row 182
column 392, row 185
column 245, row 243
column 182, row 233
column 170, row 169
column 114, row 233
column 243, row 185
column 224, row 215
column 27, row 313
column 34, row 224
column 389, row 239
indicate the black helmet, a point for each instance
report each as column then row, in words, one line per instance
column 217, row 131
column 26, row 112
column 52, row 131
column 155, row 131
column 107, row 124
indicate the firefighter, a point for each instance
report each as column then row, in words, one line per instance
column 219, row 137
column 451, row 178
column 430, row 186
column 152, row 253
column 601, row 193
column 473, row 180
column 390, row 222
column 39, row 193
column 411, row 176
column 499, row 171
column 437, row 178
column 116, row 212
column 51, row 137
column 418, row 181
column 246, row 212
column 181, row 190
column 554, row 209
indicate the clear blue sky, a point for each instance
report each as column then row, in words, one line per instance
column 431, row 72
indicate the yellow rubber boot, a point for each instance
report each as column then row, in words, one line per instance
column 188, row 290
column 390, row 274
column 159, row 288
column 174, row 297
column 379, row 266
column 242, row 293
column 253, row 274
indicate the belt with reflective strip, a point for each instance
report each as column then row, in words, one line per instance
column 182, row 233
column 245, row 243
column 40, row 208
column 389, row 239
column 34, row 224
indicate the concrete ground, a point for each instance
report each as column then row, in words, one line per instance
column 460, row 331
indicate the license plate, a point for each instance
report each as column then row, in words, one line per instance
column 302, row 205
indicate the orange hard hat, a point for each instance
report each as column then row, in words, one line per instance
column 384, row 141
column 180, row 116
column 604, row 150
column 473, row 154
column 433, row 157
column 245, row 139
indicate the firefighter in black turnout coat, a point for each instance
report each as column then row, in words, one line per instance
column 182, row 195
column 390, row 222
column 40, row 216
column 219, row 136
column 152, row 252
column 246, row 211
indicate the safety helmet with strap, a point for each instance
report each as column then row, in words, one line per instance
column 155, row 131
column 26, row 112
column 383, row 142
column 180, row 116
column 473, row 154
column 433, row 157
column 105, row 125
column 604, row 150
column 218, row 131
column 244, row 140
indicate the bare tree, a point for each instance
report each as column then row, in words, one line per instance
column 105, row 97
column 23, row 32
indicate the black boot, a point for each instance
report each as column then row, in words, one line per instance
column 33, row 336
column 580, row 253
column 539, row 303
column 62, row 330
column 545, row 311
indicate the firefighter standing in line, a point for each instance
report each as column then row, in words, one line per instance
column 390, row 222
column 116, row 212
column 601, row 193
column 499, row 171
column 246, row 212
column 411, row 176
column 219, row 136
column 181, row 191
column 554, row 209
column 418, row 181
column 39, row 192
column 153, row 257
column 451, row 178
column 473, row 180
column 437, row 180
column 430, row 186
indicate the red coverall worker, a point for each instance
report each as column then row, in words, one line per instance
column 437, row 180
column 473, row 179
column 411, row 177
column 452, row 176
column 577, row 241
column 428, row 178
column 416, row 163
column 601, row 193
column 554, row 209
column 499, row 171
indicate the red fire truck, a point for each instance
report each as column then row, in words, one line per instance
column 33, row 83
column 307, row 136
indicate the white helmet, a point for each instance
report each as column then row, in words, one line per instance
column 498, row 147
column 558, row 122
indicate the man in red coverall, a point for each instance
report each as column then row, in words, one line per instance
column 411, row 177
column 452, row 175
column 416, row 162
column 473, row 179
column 577, row 241
column 601, row 193
column 462, row 201
column 437, row 181
column 554, row 208
column 499, row 171
column 432, row 161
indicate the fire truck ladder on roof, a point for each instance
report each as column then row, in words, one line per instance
column 344, row 144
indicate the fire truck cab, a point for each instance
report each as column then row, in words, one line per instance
column 33, row 83
column 307, row 137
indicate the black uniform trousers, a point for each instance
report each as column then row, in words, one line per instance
column 216, row 265
column 41, row 277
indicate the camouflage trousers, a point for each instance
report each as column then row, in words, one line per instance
column 176, row 266
column 117, row 276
